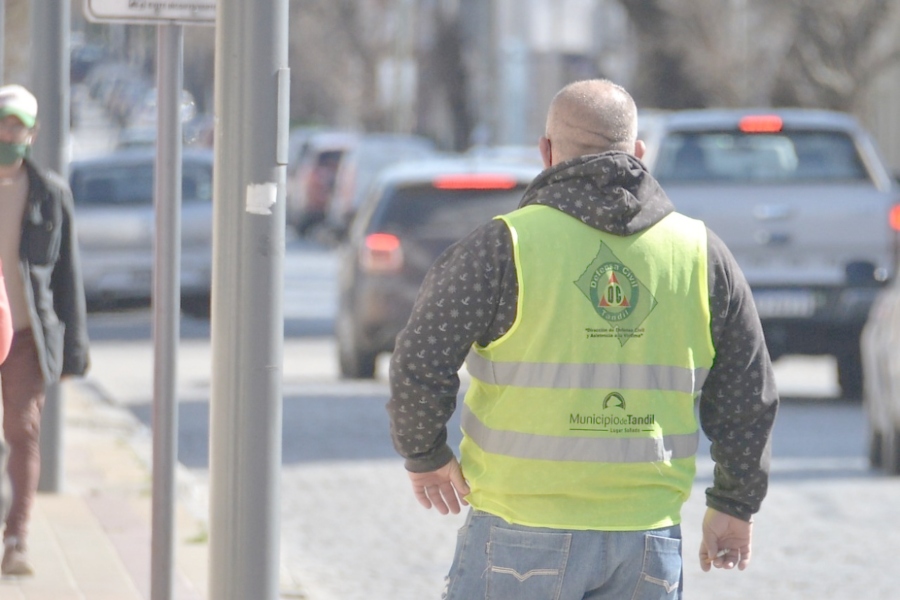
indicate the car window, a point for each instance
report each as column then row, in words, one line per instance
column 786, row 156
column 430, row 212
column 132, row 185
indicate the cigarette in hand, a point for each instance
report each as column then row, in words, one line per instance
column 719, row 554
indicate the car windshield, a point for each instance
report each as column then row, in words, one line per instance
column 426, row 211
column 783, row 157
column 132, row 185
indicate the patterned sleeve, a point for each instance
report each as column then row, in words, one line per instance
column 739, row 399
column 461, row 301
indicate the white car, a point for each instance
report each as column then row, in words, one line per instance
column 803, row 201
column 881, row 379
column 115, row 225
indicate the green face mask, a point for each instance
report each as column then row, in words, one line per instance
column 10, row 153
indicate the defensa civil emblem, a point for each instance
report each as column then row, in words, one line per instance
column 616, row 294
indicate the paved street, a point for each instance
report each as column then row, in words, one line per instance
column 351, row 529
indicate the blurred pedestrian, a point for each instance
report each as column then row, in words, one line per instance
column 6, row 333
column 6, row 330
column 591, row 320
column 47, row 306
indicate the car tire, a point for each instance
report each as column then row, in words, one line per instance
column 356, row 364
column 198, row 306
column 890, row 451
column 850, row 374
column 308, row 223
column 353, row 362
column 876, row 446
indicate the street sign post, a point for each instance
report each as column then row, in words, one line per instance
column 166, row 306
column 50, row 23
column 182, row 12
column 169, row 16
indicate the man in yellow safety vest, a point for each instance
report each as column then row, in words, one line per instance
column 592, row 320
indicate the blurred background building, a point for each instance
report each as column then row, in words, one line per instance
column 482, row 72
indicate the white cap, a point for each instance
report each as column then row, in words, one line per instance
column 19, row 102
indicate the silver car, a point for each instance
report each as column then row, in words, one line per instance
column 881, row 378
column 803, row 200
column 115, row 223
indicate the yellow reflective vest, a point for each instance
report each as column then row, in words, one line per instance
column 582, row 415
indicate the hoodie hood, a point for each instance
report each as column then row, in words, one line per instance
column 612, row 192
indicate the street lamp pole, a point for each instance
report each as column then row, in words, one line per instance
column 50, row 84
column 252, row 112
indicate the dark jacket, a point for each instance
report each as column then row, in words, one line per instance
column 469, row 296
column 48, row 260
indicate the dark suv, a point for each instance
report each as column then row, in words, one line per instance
column 414, row 212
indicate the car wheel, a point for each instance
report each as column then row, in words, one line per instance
column 307, row 223
column 850, row 374
column 356, row 364
column 890, row 451
column 353, row 362
column 875, row 449
column 198, row 306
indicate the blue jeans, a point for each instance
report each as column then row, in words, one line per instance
column 496, row 560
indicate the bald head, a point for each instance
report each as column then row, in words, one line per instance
column 589, row 117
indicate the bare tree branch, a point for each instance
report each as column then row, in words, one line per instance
column 836, row 51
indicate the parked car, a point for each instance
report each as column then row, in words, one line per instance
column 415, row 211
column 803, row 200
column 310, row 183
column 881, row 377
column 369, row 154
column 115, row 221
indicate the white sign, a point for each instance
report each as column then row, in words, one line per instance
column 187, row 12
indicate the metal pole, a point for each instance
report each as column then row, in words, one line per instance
column 50, row 85
column 252, row 97
column 166, row 304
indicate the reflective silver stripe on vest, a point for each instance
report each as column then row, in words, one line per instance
column 560, row 448
column 587, row 376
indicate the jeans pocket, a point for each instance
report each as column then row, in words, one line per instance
column 661, row 572
column 526, row 564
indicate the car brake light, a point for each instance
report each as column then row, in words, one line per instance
column 479, row 181
column 761, row 124
column 381, row 252
column 894, row 218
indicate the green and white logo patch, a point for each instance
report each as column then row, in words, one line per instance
column 616, row 294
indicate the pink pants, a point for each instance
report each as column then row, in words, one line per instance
column 23, row 399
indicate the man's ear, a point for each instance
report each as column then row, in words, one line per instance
column 639, row 149
column 546, row 151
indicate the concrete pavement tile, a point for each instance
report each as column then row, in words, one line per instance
column 92, row 540
column 127, row 532
column 191, row 569
column 53, row 579
column 128, row 523
column 117, row 452
column 87, row 550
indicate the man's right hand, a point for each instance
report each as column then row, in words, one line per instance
column 443, row 489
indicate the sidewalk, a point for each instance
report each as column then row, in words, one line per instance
column 91, row 541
